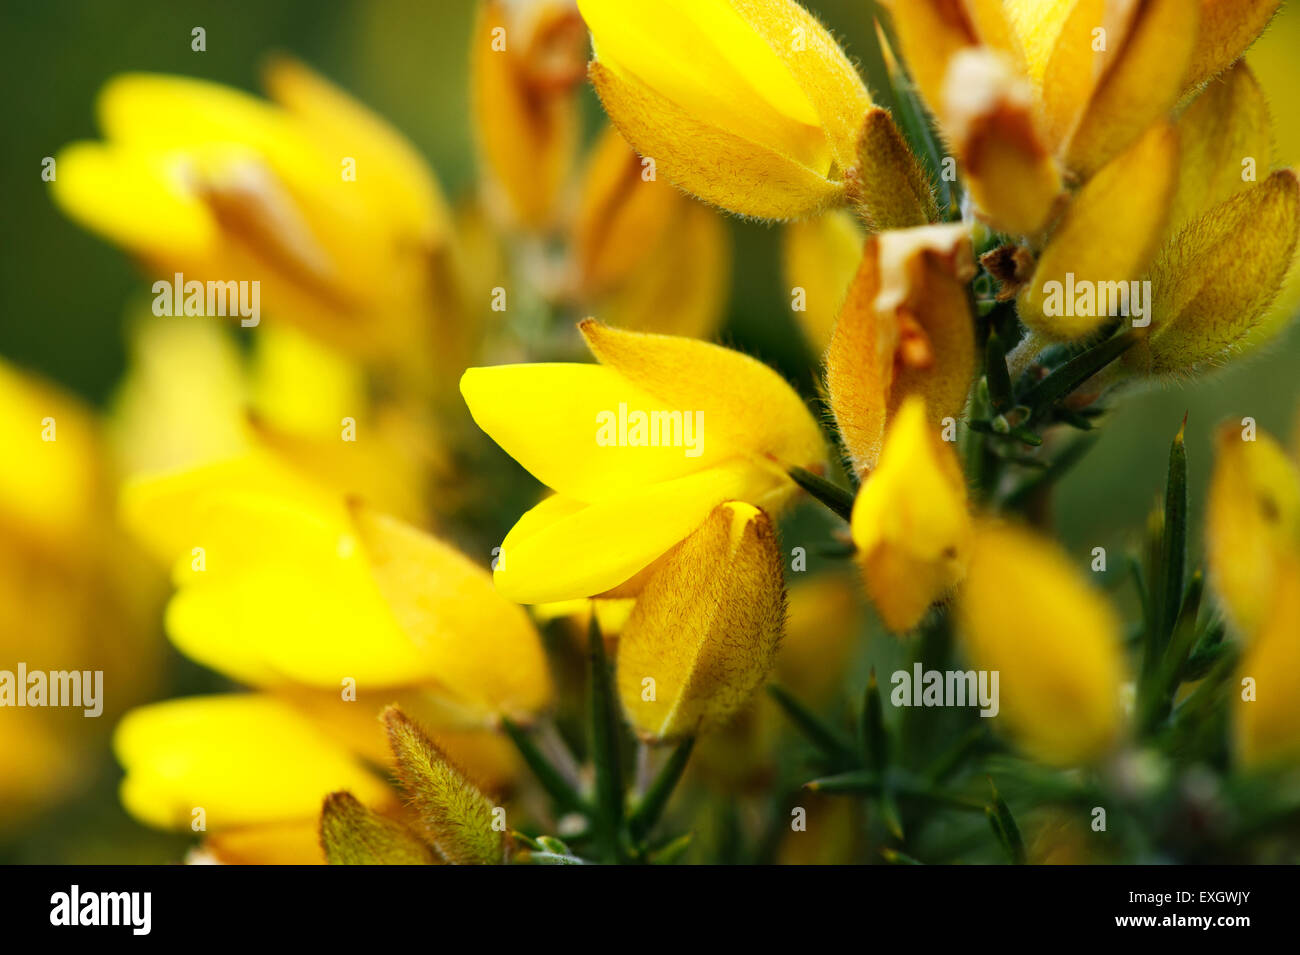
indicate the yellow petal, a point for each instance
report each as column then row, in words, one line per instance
column 1212, row 282
column 745, row 404
column 681, row 287
column 825, row 76
column 553, row 418
column 1252, row 523
column 1227, row 124
column 622, row 213
column 563, row 549
column 703, row 634
column 279, row 843
column 905, row 328
column 388, row 165
column 137, row 198
column 523, row 104
column 1026, row 612
column 821, row 257
column 988, row 116
column 458, row 819
column 910, row 523
column 1139, row 88
column 704, row 57
column 740, row 175
column 1268, row 726
column 1108, row 235
column 1227, row 28
column 1074, row 44
column 50, row 486
column 930, row 33
column 822, row 635
column 244, row 759
column 483, row 648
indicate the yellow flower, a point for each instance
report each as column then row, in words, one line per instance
column 259, row 765
column 640, row 448
column 910, row 522
column 1025, row 612
column 243, row 759
column 748, row 104
column 704, row 632
column 1268, row 725
column 1252, row 524
column 279, row 583
column 75, row 595
column 647, row 257
column 526, row 62
column 191, row 398
column 330, row 210
column 905, row 328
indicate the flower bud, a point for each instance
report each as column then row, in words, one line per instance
column 704, row 633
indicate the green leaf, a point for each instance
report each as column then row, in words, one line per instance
column 995, row 370
column 1004, row 827
column 1057, row 385
column 606, row 728
column 826, row 739
column 652, row 805
column 352, row 834
column 566, row 798
column 669, row 853
column 833, row 496
column 875, row 737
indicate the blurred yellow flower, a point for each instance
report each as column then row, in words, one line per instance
column 526, row 62
column 314, row 198
column 647, row 257
column 820, row 257
column 704, row 632
column 1025, row 612
column 910, row 521
column 1267, row 715
column 1252, row 524
column 640, row 448
column 279, row 582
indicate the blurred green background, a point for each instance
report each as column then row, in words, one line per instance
column 63, row 291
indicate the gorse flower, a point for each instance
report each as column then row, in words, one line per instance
column 910, row 522
column 714, row 425
column 1043, row 201
column 747, row 104
column 202, row 180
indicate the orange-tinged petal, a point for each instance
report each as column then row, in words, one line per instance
column 1227, row 28
column 905, row 328
column 821, row 257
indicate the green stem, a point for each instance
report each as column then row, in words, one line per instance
column 652, row 805
column 557, row 787
column 605, row 749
